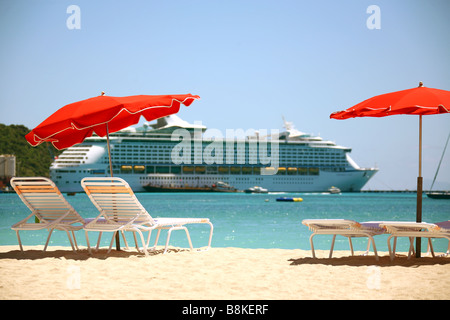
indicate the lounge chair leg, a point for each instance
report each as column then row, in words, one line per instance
column 157, row 238
column 368, row 246
column 411, row 247
column 448, row 249
column 143, row 242
column 189, row 238
column 112, row 241
column 98, row 241
column 48, row 239
column 87, row 241
column 374, row 247
column 210, row 238
column 351, row 245
column 20, row 242
column 332, row 246
column 148, row 238
column 125, row 239
column 430, row 247
column 167, row 240
column 70, row 240
column 170, row 232
column 395, row 244
column 391, row 253
column 312, row 245
column 75, row 240
column 135, row 241
column 210, row 234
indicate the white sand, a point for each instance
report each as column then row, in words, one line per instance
column 220, row 273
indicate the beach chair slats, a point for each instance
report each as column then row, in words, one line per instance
column 118, row 204
column 116, row 207
column 107, row 189
column 115, row 200
column 48, row 205
column 44, row 199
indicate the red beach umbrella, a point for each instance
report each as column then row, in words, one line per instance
column 103, row 115
column 416, row 101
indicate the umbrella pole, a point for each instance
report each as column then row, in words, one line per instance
column 109, row 151
column 111, row 171
column 419, row 190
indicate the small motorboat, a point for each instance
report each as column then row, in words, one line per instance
column 289, row 199
column 256, row 189
column 334, row 190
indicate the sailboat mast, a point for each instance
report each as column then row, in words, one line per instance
column 440, row 162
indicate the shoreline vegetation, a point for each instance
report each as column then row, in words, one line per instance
column 30, row 161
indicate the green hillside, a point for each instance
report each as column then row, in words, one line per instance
column 30, row 161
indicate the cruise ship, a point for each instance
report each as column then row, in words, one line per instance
column 172, row 154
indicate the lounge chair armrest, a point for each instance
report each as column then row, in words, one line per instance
column 23, row 220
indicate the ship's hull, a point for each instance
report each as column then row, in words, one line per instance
column 438, row 195
column 349, row 181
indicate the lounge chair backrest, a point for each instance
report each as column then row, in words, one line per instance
column 115, row 200
column 44, row 199
column 405, row 226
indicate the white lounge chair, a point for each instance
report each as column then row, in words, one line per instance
column 413, row 230
column 346, row 228
column 444, row 227
column 48, row 206
column 122, row 211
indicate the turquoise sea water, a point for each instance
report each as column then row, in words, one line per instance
column 248, row 220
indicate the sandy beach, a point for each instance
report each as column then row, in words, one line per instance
column 220, row 273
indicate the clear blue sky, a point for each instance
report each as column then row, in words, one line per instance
column 251, row 61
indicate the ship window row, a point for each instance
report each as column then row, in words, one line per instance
column 68, row 158
column 65, row 153
column 236, row 149
column 227, row 170
column 253, row 157
column 141, row 147
column 75, row 149
column 166, row 160
column 236, row 146
column 166, row 151
column 72, row 161
column 311, row 152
